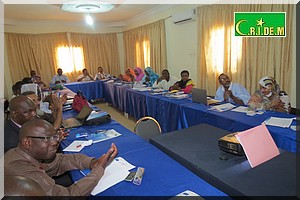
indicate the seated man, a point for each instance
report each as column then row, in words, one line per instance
column 54, row 113
column 59, row 78
column 165, row 81
column 85, row 76
column 100, row 75
column 21, row 186
column 231, row 92
column 36, row 158
column 22, row 109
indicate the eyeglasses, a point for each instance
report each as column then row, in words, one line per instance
column 53, row 138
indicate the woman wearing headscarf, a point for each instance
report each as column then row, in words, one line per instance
column 185, row 84
column 128, row 76
column 267, row 97
column 139, row 74
column 150, row 76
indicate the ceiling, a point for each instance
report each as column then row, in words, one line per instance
column 52, row 12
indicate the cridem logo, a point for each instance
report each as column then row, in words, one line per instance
column 259, row 24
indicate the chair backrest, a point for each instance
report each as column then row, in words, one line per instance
column 147, row 127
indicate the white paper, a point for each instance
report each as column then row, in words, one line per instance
column 141, row 89
column 241, row 109
column 179, row 96
column 103, row 135
column 44, row 106
column 116, row 172
column 224, row 107
column 188, row 193
column 77, row 145
column 281, row 122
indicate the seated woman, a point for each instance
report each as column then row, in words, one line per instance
column 128, row 76
column 139, row 75
column 150, row 77
column 267, row 97
column 185, row 84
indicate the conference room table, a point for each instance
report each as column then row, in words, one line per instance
column 197, row 149
column 90, row 89
column 163, row 176
column 174, row 114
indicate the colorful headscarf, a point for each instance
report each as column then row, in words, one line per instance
column 141, row 74
column 152, row 76
column 128, row 78
column 267, row 82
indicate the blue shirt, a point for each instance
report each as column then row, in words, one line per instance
column 237, row 90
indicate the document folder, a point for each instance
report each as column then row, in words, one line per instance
column 258, row 145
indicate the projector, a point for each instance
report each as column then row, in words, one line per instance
column 230, row 144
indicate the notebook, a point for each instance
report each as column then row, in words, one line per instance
column 79, row 120
column 200, row 96
column 258, row 145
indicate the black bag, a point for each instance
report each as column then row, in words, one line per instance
column 97, row 121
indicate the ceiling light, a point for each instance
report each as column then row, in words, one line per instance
column 89, row 20
column 88, row 6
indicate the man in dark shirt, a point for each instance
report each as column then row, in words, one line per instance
column 22, row 109
column 35, row 157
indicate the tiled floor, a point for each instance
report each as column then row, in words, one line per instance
column 117, row 115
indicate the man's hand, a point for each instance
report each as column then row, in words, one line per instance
column 107, row 158
column 227, row 94
column 63, row 133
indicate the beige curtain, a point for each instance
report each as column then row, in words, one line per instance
column 146, row 42
column 255, row 57
column 39, row 52
column 99, row 50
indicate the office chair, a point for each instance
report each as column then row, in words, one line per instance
column 147, row 127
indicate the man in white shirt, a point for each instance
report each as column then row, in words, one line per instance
column 59, row 78
column 231, row 92
column 85, row 76
column 100, row 75
column 165, row 81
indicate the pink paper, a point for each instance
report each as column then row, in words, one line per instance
column 258, row 145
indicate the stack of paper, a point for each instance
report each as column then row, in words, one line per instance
column 281, row 122
column 113, row 174
column 224, row 107
column 258, row 145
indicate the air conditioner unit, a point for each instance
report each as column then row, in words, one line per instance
column 186, row 16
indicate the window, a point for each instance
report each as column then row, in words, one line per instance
column 70, row 59
column 143, row 52
column 234, row 49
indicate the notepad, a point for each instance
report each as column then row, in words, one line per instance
column 258, row 145
column 113, row 174
column 77, row 145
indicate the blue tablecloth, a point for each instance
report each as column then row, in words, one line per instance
column 163, row 176
column 175, row 114
column 91, row 89
column 193, row 114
